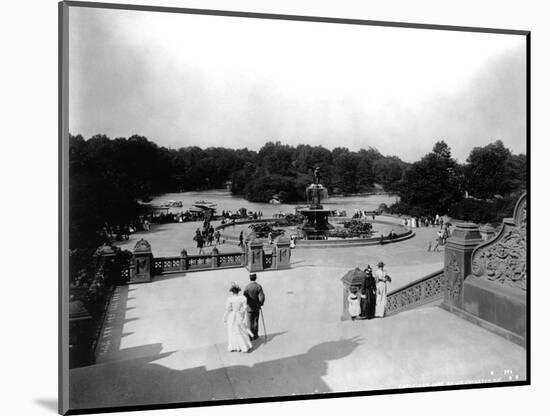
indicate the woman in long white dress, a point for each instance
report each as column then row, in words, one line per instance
column 235, row 312
column 382, row 283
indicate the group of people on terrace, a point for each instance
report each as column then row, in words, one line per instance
column 369, row 301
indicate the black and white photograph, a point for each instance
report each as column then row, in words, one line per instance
column 264, row 207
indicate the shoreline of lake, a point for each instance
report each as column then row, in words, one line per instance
column 225, row 201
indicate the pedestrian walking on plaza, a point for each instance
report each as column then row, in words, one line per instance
column 234, row 317
column 217, row 235
column 200, row 243
column 382, row 282
column 255, row 299
column 368, row 290
column 241, row 239
column 438, row 241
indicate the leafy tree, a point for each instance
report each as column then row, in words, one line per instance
column 492, row 170
column 433, row 183
column 345, row 169
column 388, row 172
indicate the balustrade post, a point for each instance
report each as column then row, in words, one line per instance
column 142, row 261
column 214, row 259
column 255, row 256
column 458, row 263
column 282, row 253
column 107, row 254
column 244, row 256
column 183, row 260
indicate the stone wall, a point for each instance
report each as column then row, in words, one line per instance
column 486, row 281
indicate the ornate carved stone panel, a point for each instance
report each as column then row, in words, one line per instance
column 142, row 246
column 454, row 280
column 504, row 259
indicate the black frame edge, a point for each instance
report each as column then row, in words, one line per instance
column 63, row 375
column 63, row 302
column 302, row 18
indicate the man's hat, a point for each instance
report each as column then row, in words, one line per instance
column 380, row 264
column 252, row 276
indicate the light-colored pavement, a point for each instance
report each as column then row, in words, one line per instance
column 164, row 342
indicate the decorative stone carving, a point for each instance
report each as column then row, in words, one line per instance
column 503, row 259
column 520, row 214
column 457, row 262
column 142, row 262
column 454, row 279
column 142, row 246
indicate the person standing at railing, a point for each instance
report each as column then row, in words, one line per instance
column 382, row 282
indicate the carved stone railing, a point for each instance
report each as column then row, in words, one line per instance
column 486, row 282
column 494, row 292
column 417, row 293
column 503, row 259
column 144, row 266
column 185, row 263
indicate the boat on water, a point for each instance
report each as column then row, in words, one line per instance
column 170, row 204
column 204, row 204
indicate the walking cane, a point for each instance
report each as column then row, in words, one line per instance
column 263, row 322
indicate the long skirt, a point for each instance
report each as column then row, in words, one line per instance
column 381, row 299
column 237, row 334
column 368, row 303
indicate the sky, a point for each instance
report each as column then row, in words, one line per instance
column 188, row 80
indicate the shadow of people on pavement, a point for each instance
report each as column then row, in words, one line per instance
column 146, row 381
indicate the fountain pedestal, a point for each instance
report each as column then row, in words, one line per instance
column 316, row 225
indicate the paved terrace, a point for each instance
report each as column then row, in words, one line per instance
column 165, row 341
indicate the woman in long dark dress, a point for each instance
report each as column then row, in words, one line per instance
column 368, row 295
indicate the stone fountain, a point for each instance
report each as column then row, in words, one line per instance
column 316, row 225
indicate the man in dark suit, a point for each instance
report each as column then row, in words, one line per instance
column 255, row 299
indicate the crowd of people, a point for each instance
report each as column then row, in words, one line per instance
column 369, row 301
column 206, row 236
column 425, row 221
column 241, row 213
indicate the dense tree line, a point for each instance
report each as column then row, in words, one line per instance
column 108, row 177
column 484, row 189
column 285, row 171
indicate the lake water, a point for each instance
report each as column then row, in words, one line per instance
column 225, row 201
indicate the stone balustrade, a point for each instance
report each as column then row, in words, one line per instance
column 144, row 266
column 420, row 292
